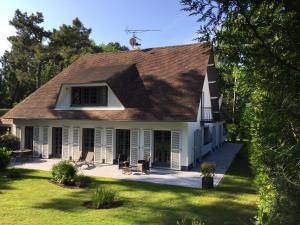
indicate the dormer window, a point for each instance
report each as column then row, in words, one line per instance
column 89, row 96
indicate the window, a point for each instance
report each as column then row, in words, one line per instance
column 89, row 96
column 207, row 136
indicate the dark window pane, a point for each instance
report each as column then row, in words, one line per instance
column 89, row 96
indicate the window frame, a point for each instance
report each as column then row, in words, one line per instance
column 89, row 96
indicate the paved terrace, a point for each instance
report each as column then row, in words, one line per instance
column 223, row 157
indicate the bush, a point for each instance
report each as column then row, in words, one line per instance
column 208, row 169
column 13, row 173
column 103, row 198
column 9, row 141
column 64, row 172
column 5, row 156
column 232, row 132
column 82, row 180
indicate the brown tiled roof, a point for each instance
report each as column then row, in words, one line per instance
column 153, row 84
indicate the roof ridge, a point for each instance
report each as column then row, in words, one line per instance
column 142, row 50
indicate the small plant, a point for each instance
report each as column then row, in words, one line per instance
column 193, row 222
column 103, row 198
column 82, row 180
column 208, row 169
column 9, row 141
column 64, row 172
column 13, row 173
column 5, row 156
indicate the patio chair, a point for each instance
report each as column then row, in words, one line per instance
column 89, row 159
column 77, row 158
column 143, row 166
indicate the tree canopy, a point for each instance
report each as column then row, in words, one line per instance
column 38, row 55
column 257, row 44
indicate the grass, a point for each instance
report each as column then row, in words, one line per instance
column 33, row 200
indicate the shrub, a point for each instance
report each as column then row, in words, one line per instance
column 9, row 141
column 13, row 173
column 82, row 180
column 64, row 172
column 5, row 156
column 232, row 132
column 103, row 198
column 208, row 169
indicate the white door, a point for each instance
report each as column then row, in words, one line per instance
column 175, row 149
column 36, row 143
column 134, row 146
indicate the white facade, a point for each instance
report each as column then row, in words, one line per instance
column 187, row 145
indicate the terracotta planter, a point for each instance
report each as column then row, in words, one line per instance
column 207, row 182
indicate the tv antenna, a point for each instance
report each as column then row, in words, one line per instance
column 133, row 41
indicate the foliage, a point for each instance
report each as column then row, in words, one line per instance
column 193, row 222
column 9, row 141
column 64, row 172
column 103, row 198
column 38, row 55
column 261, row 38
column 5, row 156
column 82, row 180
column 13, row 173
column 208, row 169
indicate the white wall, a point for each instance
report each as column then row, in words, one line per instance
column 180, row 126
column 64, row 99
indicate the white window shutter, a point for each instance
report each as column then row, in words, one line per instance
column 76, row 131
column 65, row 143
column 175, row 149
column 109, row 146
column 45, row 146
column 147, row 144
column 36, row 142
column 98, row 145
column 134, row 146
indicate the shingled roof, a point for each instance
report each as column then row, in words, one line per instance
column 153, row 84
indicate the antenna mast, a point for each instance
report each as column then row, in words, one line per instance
column 133, row 40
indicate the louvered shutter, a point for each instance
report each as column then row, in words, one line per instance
column 19, row 135
column 134, row 146
column 175, row 149
column 109, row 146
column 147, row 144
column 36, row 142
column 76, row 140
column 45, row 147
column 197, row 144
column 65, row 143
column 98, row 145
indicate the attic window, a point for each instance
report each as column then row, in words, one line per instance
column 89, row 96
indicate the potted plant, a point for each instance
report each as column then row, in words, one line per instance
column 208, row 170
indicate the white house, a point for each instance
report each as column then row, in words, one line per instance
column 159, row 104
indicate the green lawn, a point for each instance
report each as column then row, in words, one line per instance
column 33, row 200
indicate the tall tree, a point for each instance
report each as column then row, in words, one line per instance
column 22, row 65
column 262, row 38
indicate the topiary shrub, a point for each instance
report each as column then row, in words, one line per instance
column 82, row 180
column 9, row 141
column 64, row 172
column 103, row 198
column 5, row 156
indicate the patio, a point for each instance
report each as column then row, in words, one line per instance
column 223, row 157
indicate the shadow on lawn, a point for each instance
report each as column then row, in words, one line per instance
column 213, row 206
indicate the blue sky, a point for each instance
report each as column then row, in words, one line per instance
column 108, row 19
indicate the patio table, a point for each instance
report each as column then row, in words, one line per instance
column 21, row 152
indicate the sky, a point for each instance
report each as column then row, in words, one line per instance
column 108, row 19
